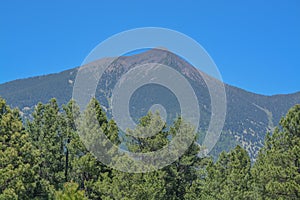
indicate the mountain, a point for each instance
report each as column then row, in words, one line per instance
column 249, row 116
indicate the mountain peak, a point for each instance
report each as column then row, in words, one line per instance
column 249, row 116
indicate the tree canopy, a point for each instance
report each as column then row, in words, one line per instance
column 44, row 158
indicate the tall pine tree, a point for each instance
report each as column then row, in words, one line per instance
column 277, row 169
column 17, row 157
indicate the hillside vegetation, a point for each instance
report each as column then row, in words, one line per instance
column 44, row 158
column 249, row 116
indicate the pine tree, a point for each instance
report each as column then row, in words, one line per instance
column 277, row 169
column 196, row 190
column 70, row 192
column 181, row 174
column 50, row 158
column 17, row 157
column 49, row 139
column 87, row 168
column 229, row 177
column 123, row 185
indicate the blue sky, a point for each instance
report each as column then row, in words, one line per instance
column 255, row 44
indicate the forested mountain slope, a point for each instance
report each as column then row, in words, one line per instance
column 249, row 116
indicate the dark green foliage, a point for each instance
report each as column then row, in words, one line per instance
column 70, row 192
column 46, row 159
column 18, row 158
column 229, row 177
column 277, row 169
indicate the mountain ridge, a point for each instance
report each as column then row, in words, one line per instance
column 249, row 115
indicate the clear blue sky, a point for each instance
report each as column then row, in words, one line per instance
column 255, row 44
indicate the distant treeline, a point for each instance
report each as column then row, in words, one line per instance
column 44, row 158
